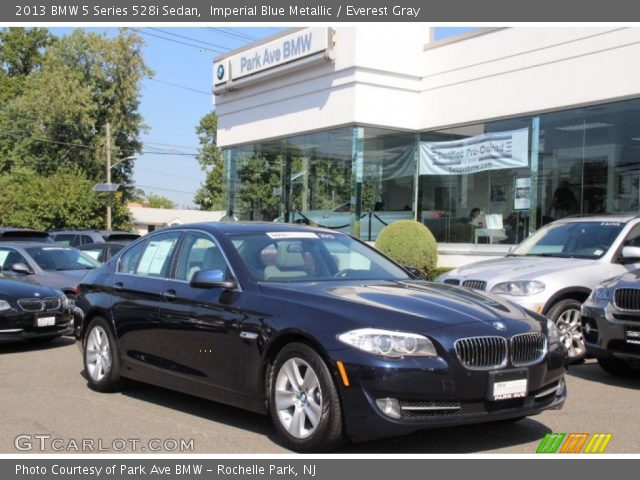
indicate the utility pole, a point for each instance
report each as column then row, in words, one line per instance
column 109, row 175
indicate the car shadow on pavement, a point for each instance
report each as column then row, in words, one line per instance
column 464, row 439
column 467, row 439
column 29, row 346
column 591, row 371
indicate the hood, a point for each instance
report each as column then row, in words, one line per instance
column 24, row 288
column 626, row 280
column 415, row 305
column 519, row 268
column 64, row 279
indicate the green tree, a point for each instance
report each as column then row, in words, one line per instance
column 64, row 199
column 158, row 201
column 212, row 193
column 259, row 176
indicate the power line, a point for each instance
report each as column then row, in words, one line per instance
column 175, row 41
column 169, row 174
column 240, row 35
column 169, row 145
column 184, row 87
column 188, row 38
column 160, row 188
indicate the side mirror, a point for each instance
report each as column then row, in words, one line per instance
column 211, row 279
column 631, row 254
column 20, row 268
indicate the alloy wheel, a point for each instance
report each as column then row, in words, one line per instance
column 298, row 398
column 570, row 327
column 98, row 354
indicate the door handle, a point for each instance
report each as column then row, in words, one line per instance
column 118, row 286
column 169, row 295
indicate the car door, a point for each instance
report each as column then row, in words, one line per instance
column 137, row 286
column 200, row 325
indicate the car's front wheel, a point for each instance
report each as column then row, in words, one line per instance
column 303, row 400
column 101, row 359
column 567, row 317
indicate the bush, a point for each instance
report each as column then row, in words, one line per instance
column 410, row 243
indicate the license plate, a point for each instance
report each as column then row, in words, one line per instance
column 508, row 385
column 46, row 321
column 633, row 337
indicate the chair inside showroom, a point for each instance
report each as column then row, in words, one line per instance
column 289, row 264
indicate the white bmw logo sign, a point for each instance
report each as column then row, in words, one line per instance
column 220, row 72
column 499, row 326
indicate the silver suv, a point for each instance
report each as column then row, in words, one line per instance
column 554, row 270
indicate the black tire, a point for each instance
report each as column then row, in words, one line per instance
column 577, row 350
column 327, row 434
column 617, row 367
column 109, row 381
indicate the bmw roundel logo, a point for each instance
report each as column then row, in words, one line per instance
column 499, row 326
column 220, row 72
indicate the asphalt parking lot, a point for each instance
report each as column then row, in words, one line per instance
column 44, row 393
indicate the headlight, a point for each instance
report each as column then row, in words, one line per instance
column 4, row 305
column 388, row 343
column 601, row 293
column 553, row 334
column 522, row 288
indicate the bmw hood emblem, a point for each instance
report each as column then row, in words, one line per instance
column 499, row 326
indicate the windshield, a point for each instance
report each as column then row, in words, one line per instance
column 61, row 258
column 572, row 239
column 311, row 257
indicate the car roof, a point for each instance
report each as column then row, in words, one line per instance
column 597, row 218
column 250, row 227
column 33, row 244
column 89, row 246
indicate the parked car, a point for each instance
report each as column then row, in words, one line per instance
column 76, row 238
column 102, row 252
column 316, row 329
column 554, row 270
column 48, row 264
column 611, row 321
column 32, row 312
column 10, row 234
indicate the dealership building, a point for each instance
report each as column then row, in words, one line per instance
column 483, row 137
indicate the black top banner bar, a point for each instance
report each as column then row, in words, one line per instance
column 327, row 11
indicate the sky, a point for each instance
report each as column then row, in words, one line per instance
column 179, row 95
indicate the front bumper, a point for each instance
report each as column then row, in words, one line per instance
column 433, row 393
column 606, row 332
column 20, row 326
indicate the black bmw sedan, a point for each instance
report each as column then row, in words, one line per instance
column 29, row 311
column 316, row 329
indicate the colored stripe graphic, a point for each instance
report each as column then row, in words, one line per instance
column 574, row 443
column 598, row 443
column 550, row 443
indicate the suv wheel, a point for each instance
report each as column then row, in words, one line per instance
column 566, row 315
column 617, row 367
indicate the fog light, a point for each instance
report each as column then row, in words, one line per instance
column 560, row 389
column 390, row 407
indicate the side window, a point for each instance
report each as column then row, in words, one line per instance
column 130, row 258
column 85, row 239
column 199, row 252
column 64, row 238
column 8, row 257
column 155, row 260
column 633, row 238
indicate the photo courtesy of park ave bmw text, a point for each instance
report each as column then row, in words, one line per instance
column 303, row 239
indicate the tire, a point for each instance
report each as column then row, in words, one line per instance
column 566, row 315
column 617, row 367
column 101, row 357
column 300, row 387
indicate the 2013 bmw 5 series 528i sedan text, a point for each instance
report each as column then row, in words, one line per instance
column 316, row 329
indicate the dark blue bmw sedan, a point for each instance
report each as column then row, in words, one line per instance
column 316, row 329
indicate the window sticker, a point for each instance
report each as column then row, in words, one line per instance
column 281, row 235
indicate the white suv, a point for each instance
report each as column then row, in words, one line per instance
column 554, row 270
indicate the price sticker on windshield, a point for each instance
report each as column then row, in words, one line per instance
column 284, row 235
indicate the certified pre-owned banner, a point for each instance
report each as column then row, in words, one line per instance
column 491, row 151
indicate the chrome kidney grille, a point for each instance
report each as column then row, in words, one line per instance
column 39, row 304
column 475, row 284
column 482, row 353
column 627, row 298
column 488, row 353
column 528, row 349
